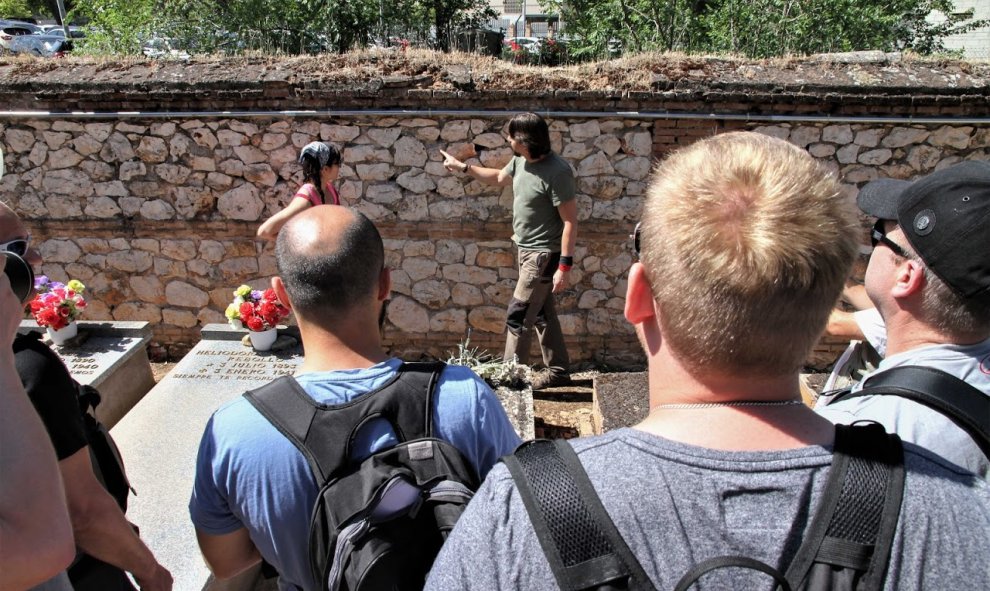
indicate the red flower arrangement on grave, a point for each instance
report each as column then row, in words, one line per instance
column 255, row 310
column 57, row 304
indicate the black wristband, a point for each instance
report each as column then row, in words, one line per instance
column 569, row 261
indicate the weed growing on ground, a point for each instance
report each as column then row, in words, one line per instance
column 494, row 370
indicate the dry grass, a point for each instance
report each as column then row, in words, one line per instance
column 430, row 69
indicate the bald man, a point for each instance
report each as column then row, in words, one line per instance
column 332, row 275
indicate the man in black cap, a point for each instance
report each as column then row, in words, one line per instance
column 929, row 276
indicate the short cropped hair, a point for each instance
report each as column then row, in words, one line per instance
column 531, row 130
column 324, row 283
column 947, row 311
column 746, row 242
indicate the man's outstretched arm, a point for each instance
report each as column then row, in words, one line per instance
column 491, row 176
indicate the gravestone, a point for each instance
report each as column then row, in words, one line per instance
column 110, row 356
column 518, row 405
column 160, row 437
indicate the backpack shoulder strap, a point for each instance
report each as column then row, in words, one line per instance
column 854, row 525
column 579, row 539
column 325, row 434
column 290, row 410
column 964, row 404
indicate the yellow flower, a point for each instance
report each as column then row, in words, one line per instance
column 232, row 312
column 76, row 286
column 243, row 291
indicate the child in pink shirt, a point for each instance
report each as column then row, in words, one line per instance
column 321, row 166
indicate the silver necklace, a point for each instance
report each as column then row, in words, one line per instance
column 733, row 403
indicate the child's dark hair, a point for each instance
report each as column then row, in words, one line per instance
column 311, row 168
column 531, row 130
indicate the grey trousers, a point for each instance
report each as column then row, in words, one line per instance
column 531, row 310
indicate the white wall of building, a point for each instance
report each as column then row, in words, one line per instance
column 974, row 44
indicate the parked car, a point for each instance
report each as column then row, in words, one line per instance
column 41, row 45
column 74, row 32
column 163, row 47
column 11, row 29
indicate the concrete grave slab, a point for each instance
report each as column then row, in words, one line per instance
column 110, row 356
column 619, row 400
column 160, row 437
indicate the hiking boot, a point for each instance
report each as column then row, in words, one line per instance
column 549, row 379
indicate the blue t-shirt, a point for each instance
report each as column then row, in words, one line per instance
column 249, row 475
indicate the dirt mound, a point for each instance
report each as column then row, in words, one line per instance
column 649, row 72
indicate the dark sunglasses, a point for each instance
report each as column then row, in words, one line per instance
column 877, row 235
column 635, row 239
column 18, row 246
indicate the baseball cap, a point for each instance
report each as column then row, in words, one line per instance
column 946, row 218
column 317, row 150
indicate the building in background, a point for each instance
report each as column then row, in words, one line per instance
column 523, row 18
column 974, row 44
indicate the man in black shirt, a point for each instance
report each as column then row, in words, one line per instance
column 107, row 543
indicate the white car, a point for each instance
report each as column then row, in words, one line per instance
column 11, row 29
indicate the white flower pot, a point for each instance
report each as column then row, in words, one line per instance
column 63, row 334
column 263, row 341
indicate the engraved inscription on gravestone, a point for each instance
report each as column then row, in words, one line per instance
column 237, row 365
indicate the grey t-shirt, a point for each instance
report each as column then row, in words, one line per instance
column 678, row 504
column 538, row 189
column 916, row 422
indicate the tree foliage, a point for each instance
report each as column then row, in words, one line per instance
column 25, row 8
column 279, row 26
column 757, row 28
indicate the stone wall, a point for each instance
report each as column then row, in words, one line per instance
column 157, row 215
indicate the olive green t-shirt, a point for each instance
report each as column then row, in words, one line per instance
column 538, row 188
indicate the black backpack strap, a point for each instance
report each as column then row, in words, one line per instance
column 704, row 566
column 966, row 406
column 854, row 525
column 325, row 433
column 579, row 539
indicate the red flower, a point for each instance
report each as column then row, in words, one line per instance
column 255, row 323
column 247, row 310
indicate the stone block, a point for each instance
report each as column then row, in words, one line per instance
column 619, row 400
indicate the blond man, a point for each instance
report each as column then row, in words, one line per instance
column 745, row 245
